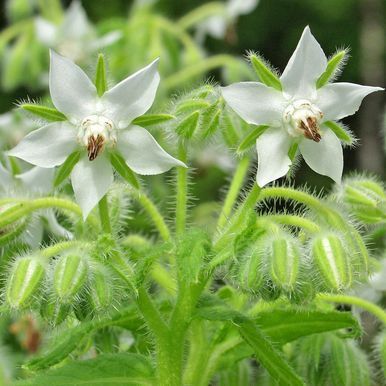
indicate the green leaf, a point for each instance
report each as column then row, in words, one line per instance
column 124, row 369
column 340, row 132
column 333, row 67
column 124, row 171
column 65, row 170
column 268, row 356
column 250, row 139
column 48, row 113
column 100, row 76
column 152, row 119
column 265, row 74
column 188, row 126
column 284, row 326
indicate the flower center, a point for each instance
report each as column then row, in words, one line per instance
column 302, row 118
column 96, row 132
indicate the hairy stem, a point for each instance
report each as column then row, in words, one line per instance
column 201, row 13
column 233, row 191
column 355, row 301
column 182, row 192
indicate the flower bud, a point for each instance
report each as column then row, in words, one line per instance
column 54, row 312
column 101, row 292
column 27, row 273
column 331, row 261
column 284, row 261
column 367, row 198
column 249, row 271
column 70, row 275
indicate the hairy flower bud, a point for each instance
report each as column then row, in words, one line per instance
column 367, row 198
column 70, row 275
column 284, row 263
column 54, row 312
column 101, row 291
column 23, row 283
column 331, row 261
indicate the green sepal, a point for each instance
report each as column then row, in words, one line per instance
column 47, row 113
column 340, row 132
column 123, row 170
column 265, row 74
column 250, row 139
column 100, row 76
column 191, row 105
column 333, row 67
column 188, row 126
column 152, row 119
column 66, row 168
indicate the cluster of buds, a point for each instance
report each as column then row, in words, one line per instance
column 71, row 282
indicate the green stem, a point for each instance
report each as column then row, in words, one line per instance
column 201, row 13
column 57, row 248
column 295, row 221
column 355, row 301
column 233, row 191
column 182, row 192
column 153, row 212
column 104, row 214
column 24, row 207
column 201, row 68
column 239, row 218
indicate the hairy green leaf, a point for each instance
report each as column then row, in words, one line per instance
column 100, row 76
column 121, row 167
column 250, row 139
column 65, row 170
column 333, row 67
column 124, row 369
column 268, row 356
column 152, row 119
column 265, row 74
column 48, row 113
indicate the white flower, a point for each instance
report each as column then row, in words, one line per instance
column 96, row 125
column 75, row 37
column 34, row 182
column 216, row 26
column 297, row 114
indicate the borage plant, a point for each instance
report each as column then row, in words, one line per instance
column 230, row 294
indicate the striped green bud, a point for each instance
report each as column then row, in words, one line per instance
column 70, row 275
column 26, row 276
column 249, row 273
column 54, row 312
column 367, row 198
column 284, row 263
column 101, row 291
column 331, row 261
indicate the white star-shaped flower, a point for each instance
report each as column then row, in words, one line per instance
column 297, row 113
column 34, row 183
column 96, row 125
column 74, row 37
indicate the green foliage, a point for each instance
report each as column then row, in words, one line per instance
column 66, row 168
column 47, row 113
column 264, row 73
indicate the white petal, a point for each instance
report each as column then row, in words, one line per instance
column 75, row 24
column 142, row 152
column 339, row 100
column 48, row 146
column 305, row 66
column 6, row 178
column 272, row 154
column 255, row 102
column 133, row 96
column 72, row 92
column 91, row 181
column 324, row 157
column 37, row 179
column 33, row 235
column 45, row 31
column 214, row 26
column 240, row 7
column 54, row 227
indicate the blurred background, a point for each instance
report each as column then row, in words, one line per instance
column 271, row 28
